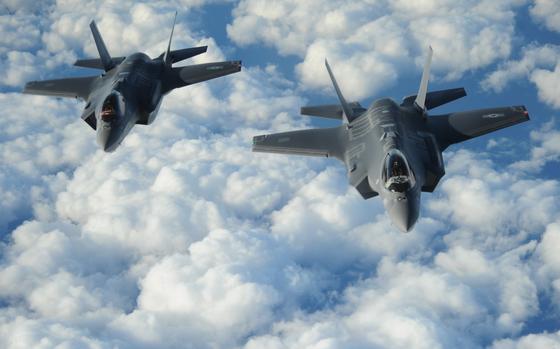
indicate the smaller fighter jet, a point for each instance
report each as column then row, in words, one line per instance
column 389, row 149
column 131, row 89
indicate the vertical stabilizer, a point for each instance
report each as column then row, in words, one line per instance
column 106, row 60
column 348, row 112
column 167, row 56
column 423, row 89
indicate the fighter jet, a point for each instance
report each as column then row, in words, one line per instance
column 389, row 149
column 131, row 89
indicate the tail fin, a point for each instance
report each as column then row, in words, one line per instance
column 348, row 112
column 423, row 89
column 106, row 59
column 167, row 56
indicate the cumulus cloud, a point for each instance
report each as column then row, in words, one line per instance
column 371, row 42
column 539, row 64
column 19, row 32
column 547, row 82
column 546, row 12
column 546, row 148
column 147, row 247
column 42, row 141
column 41, row 39
column 545, row 340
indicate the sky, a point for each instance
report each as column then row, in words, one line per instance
column 184, row 238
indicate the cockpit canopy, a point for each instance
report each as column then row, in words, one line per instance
column 397, row 175
column 113, row 106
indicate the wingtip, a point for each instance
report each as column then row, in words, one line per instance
column 526, row 112
column 258, row 139
column 28, row 85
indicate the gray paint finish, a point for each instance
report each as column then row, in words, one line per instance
column 390, row 150
column 132, row 88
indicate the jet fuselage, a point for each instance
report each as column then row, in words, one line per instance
column 388, row 140
column 133, row 90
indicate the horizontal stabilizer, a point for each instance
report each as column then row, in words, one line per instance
column 70, row 87
column 436, row 98
column 313, row 142
column 457, row 127
column 331, row 111
column 183, row 76
column 96, row 63
column 180, row 55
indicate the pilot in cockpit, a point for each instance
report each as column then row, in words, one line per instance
column 108, row 112
column 396, row 173
column 396, row 170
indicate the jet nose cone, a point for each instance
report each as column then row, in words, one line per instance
column 106, row 138
column 404, row 212
column 402, row 219
column 110, row 147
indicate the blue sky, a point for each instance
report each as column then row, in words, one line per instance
column 184, row 238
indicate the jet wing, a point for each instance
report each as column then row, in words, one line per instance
column 192, row 74
column 457, row 127
column 313, row 142
column 71, row 87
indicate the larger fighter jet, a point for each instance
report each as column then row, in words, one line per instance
column 389, row 149
column 131, row 89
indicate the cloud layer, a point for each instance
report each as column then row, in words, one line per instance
column 540, row 64
column 371, row 43
column 184, row 238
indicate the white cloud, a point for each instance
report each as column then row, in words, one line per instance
column 184, row 238
column 544, row 340
column 539, row 64
column 547, row 12
column 533, row 56
column 395, row 309
column 41, row 139
column 18, row 32
column 546, row 148
column 547, row 83
column 372, row 43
